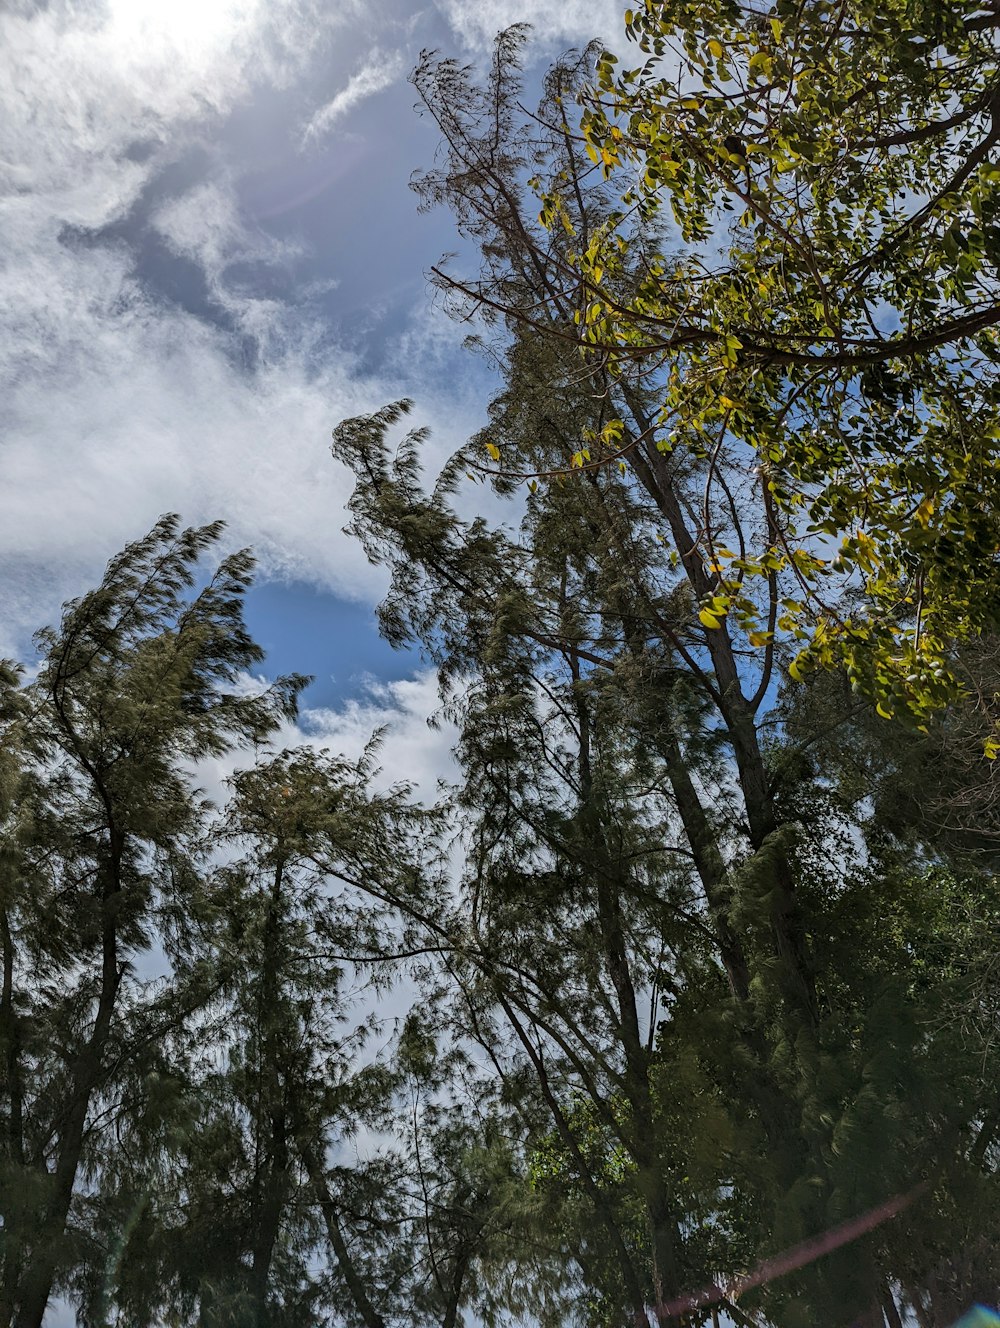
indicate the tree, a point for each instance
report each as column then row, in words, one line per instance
column 661, row 957
column 240, row 1140
column 274, row 1167
column 698, row 1101
column 101, row 838
column 696, row 977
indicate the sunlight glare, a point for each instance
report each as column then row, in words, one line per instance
column 187, row 27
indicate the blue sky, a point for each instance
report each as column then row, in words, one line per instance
column 211, row 255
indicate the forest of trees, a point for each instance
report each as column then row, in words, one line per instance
column 701, row 947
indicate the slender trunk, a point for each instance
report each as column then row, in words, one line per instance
column 986, row 1134
column 630, row 1278
column 331, row 1221
column 768, row 876
column 920, row 1310
column 663, row 1225
column 10, row 1044
column 271, row 1210
column 35, row 1289
column 710, row 867
column 777, row 1113
column 787, row 926
column 13, row 1143
column 892, row 1315
column 463, row 1261
column 274, row 1183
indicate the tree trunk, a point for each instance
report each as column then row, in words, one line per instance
column 35, row 1288
column 13, row 1143
column 331, row 1220
column 664, row 1232
column 276, row 1177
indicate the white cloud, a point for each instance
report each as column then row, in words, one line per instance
column 132, row 410
column 116, row 405
column 571, row 21
column 137, row 410
column 412, row 750
column 81, row 83
column 205, row 224
column 379, row 71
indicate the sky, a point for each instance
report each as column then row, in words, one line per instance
column 210, row 256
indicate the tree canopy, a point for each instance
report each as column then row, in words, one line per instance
column 795, row 256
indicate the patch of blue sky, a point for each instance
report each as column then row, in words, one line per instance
column 303, row 629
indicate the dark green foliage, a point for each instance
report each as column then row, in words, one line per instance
column 696, row 959
column 104, row 834
column 695, row 980
column 232, row 1142
column 676, row 907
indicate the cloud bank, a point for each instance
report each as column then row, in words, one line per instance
column 121, row 401
column 159, row 348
